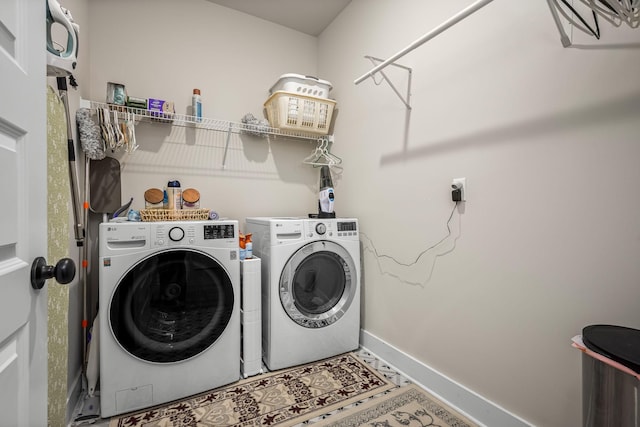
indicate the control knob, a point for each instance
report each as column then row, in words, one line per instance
column 321, row 228
column 176, row 234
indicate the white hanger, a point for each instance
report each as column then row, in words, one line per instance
column 107, row 130
column 576, row 19
column 321, row 156
column 130, row 126
column 315, row 155
column 119, row 136
column 617, row 11
column 612, row 14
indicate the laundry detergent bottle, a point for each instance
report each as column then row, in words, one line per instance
column 173, row 196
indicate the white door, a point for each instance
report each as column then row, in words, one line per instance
column 23, row 212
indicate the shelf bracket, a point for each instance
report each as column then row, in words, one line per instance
column 226, row 145
column 405, row 100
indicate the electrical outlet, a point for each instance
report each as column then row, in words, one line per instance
column 461, row 185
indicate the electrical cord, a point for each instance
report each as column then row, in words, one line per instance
column 379, row 256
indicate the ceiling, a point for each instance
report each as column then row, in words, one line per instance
column 307, row 16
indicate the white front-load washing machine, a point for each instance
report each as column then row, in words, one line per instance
column 169, row 311
column 310, row 287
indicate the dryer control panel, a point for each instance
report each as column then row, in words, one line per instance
column 347, row 228
column 332, row 228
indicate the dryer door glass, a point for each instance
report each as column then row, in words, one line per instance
column 318, row 284
column 171, row 306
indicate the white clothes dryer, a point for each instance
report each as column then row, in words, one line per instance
column 310, row 287
column 169, row 311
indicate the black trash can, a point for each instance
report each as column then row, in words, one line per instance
column 610, row 393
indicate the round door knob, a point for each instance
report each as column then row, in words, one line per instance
column 64, row 271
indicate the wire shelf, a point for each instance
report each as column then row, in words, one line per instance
column 202, row 123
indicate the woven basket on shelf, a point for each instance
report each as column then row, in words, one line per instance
column 150, row 215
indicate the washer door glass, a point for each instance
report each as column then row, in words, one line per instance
column 318, row 284
column 171, row 306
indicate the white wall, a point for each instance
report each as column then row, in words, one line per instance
column 549, row 238
column 164, row 49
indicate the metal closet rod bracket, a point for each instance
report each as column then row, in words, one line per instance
column 439, row 29
column 406, row 101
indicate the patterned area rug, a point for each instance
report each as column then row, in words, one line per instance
column 282, row 398
column 404, row 406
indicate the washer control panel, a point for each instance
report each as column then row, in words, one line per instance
column 194, row 233
column 120, row 238
column 219, row 231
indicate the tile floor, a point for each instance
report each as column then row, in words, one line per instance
column 380, row 365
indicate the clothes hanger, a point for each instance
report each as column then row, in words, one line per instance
column 610, row 10
column 105, row 126
column 317, row 154
column 130, row 126
column 321, row 156
column 577, row 20
column 119, row 136
column 616, row 11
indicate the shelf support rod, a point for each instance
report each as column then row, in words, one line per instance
column 406, row 101
column 226, row 146
column 439, row 29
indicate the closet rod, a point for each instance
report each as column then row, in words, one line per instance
column 439, row 29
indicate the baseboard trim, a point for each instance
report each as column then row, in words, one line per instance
column 467, row 401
